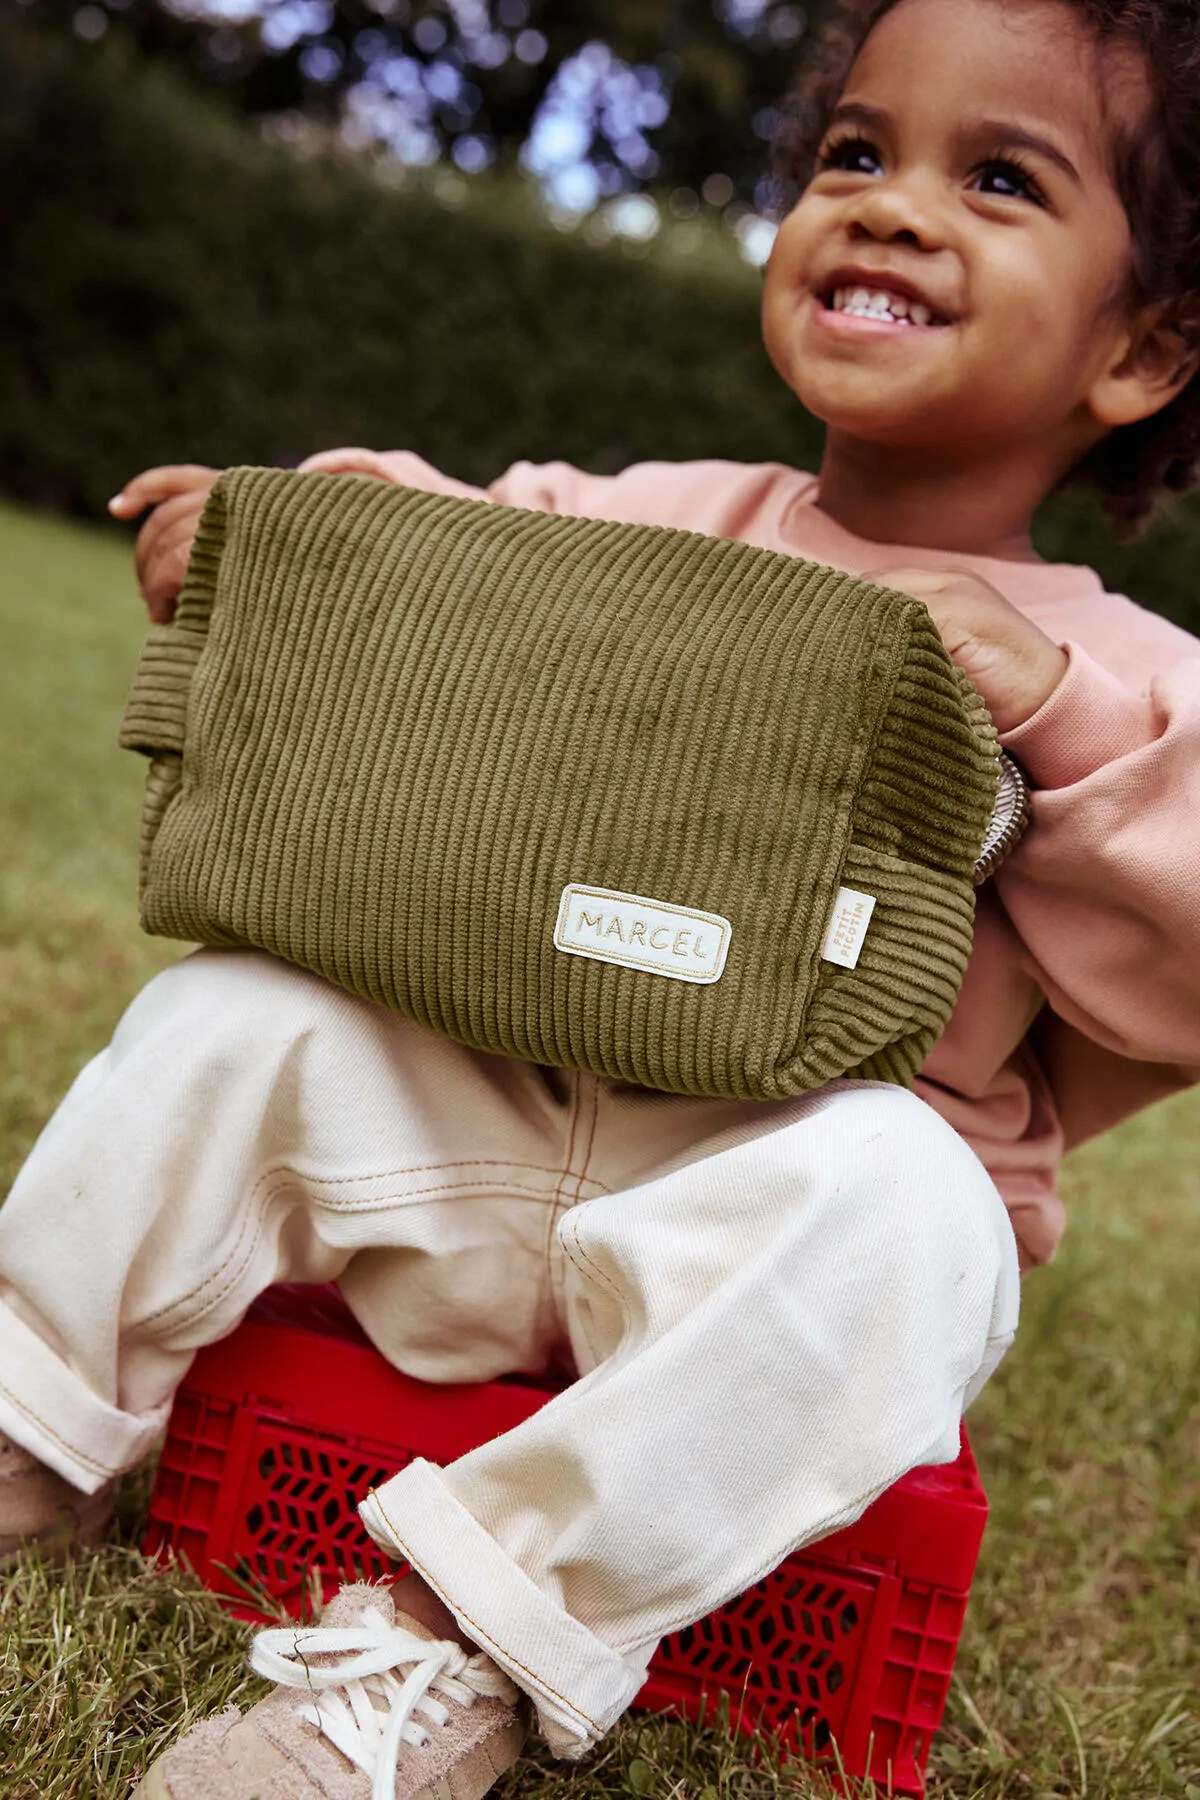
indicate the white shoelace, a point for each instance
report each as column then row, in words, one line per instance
column 359, row 1703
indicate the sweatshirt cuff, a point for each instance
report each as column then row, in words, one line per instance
column 1088, row 721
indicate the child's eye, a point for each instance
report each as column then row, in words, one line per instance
column 854, row 155
column 1009, row 181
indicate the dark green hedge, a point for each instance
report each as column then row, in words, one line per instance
column 177, row 290
column 172, row 289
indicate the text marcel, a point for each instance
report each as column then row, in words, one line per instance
column 639, row 932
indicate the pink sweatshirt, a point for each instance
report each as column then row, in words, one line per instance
column 1098, row 910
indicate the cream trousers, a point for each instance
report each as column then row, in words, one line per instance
column 774, row 1310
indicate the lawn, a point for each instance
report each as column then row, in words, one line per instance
column 1079, row 1673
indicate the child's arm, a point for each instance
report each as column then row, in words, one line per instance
column 177, row 493
column 652, row 493
column 402, row 466
column 725, row 494
column 1104, row 890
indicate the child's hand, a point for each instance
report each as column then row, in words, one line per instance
column 1012, row 662
column 355, row 461
column 178, row 494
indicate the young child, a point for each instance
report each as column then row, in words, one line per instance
column 990, row 282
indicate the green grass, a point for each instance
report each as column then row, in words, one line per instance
column 71, row 953
column 1080, row 1667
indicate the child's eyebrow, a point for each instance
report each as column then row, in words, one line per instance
column 855, row 112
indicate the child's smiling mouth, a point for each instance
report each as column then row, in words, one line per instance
column 857, row 298
column 878, row 303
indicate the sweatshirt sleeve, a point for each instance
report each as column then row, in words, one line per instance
column 1103, row 891
column 401, row 466
column 721, row 499
column 540, row 487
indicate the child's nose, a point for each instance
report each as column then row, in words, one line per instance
column 898, row 209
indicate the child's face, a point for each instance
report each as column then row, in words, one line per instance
column 967, row 171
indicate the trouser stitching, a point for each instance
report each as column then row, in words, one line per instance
column 579, row 1256
column 558, row 1205
column 474, row 1162
column 260, row 1201
column 575, row 1251
column 557, row 1196
column 82, row 1456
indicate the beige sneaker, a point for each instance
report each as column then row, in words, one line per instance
column 371, row 1705
column 36, row 1504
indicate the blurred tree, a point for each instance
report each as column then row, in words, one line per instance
column 595, row 98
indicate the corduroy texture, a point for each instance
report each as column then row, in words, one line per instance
column 388, row 727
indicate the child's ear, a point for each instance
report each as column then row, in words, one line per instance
column 1155, row 358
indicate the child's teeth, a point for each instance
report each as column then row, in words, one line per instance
column 878, row 303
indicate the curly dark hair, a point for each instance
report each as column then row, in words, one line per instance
column 1157, row 174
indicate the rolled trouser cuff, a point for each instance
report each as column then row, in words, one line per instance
column 579, row 1684
column 90, row 1441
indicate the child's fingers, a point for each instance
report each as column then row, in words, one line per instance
column 354, row 461
column 171, row 524
column 161, row 588
column 163, row 553
column 153, row 486
column 164, row 522
column 161, row 577
column 161, row 609
column 178, row 535
column 1013, row 663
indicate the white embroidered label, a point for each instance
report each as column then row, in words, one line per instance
column 642, row 934
column 847, row 928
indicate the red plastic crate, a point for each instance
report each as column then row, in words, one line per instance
column 280, row 1429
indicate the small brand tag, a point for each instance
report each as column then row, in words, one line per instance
column 847, row 928
column 643, row 934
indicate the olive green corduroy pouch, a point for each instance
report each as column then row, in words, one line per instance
column 616, row 797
